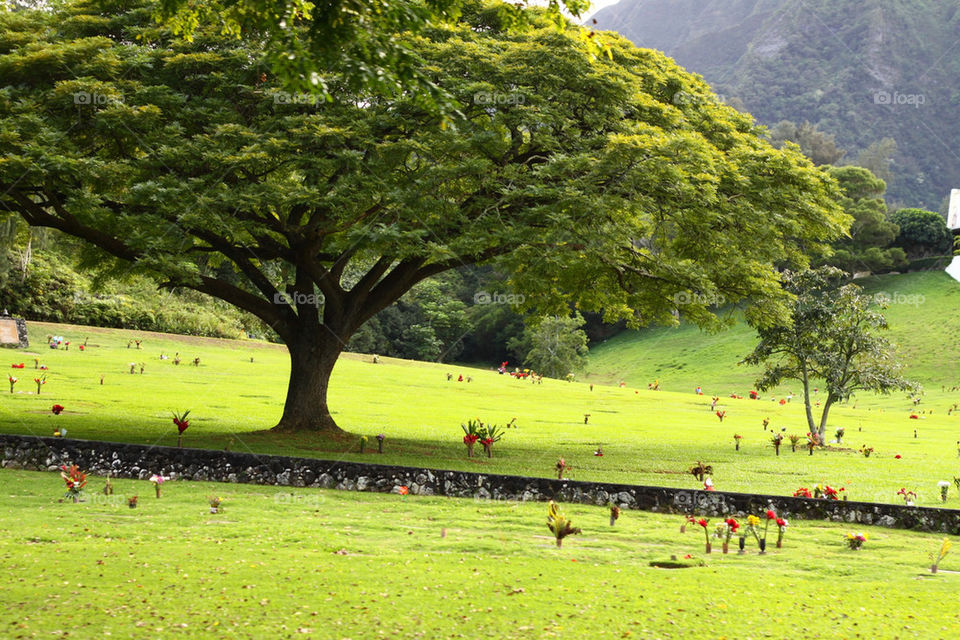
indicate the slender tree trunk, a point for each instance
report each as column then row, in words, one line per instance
column 313, row 355
column 823, row 416
column 806, row 397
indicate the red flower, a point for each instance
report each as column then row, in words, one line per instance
column 17, row 366
column 487, row 442
column 470, row 438
column 897, row 456
column 57, row 408
column 687, row 557
column 771, row 515
column 404, row 490
column 181, row 424
column 702, row 522
column 914, row 416
column 781, row 522
column 733, row 524
column 81, row 347
column 802, row 492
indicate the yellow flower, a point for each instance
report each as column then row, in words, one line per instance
column 753, row 521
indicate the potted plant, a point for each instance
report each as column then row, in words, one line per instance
column 559, row 525
column 182, row 423
column 488, row 435
column 703, row 522
column 777, row 440
column 75, row 480
column 158, row 480
column 215, row 504
column 940, row 555
column 471, row 432
column 132, row 502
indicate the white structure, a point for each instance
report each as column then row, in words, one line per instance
column 953, row 217
column 953, row 223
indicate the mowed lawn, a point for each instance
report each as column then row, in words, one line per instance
column 307, row 563
column 648, row 437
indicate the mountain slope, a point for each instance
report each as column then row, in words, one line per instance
column 924, row 317
column 862, row 70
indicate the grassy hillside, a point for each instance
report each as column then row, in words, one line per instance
column 924, row 317
column 648, row 437
column 308, row 563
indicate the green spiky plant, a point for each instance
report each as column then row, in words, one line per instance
column 489, row 434
column 558, row 523
column 471, row 432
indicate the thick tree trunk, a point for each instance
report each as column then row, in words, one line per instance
column 312, row 357
column 823, row 417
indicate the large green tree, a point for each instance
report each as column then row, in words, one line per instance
column 178, row 159
column 833, row 338
column 554, row 346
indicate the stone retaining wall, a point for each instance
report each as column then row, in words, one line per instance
column 140, row 461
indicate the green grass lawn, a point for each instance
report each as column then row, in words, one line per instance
column 291, row 563
column 648, row 437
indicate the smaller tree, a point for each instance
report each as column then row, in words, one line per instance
column 922, row 233
column 833, row 335
column 555, row 346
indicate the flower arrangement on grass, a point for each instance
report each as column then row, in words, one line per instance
column 182, row 423
column 754, row 395
column 42, row 380
column 614, row 513
column 12, row 380
column 132, row 502
column 108, row 487
column 703, row 522
column 866, row 451
column 380, row 438
column 363, row 443
column 909, row 497
column 944, row 488
column 727, row 529
column 721, row 415
column 57, row 409
column 937, row 558
column 215, row 502
column 158, row 480
column 561, row 468
column 827, row 492
column 471, row 433
column 490, row 434
column 840, row 432
column 17, row 366
column 856, row 540
column 75, row 480
column 753, row 526
column 782, row 525
column 708, row 484
column 736, row 441
column 599, row 452
column 403, row 491
column 802, row 492
column 794, row 439
column 558, row 523
column 689, row 520
column 813, row 440
column 776, row 441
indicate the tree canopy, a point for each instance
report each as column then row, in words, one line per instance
column 922, row 233
column 181, row 159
